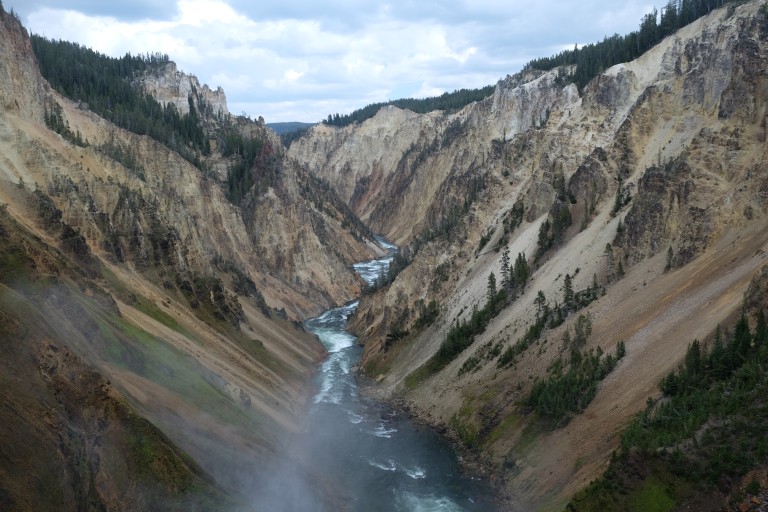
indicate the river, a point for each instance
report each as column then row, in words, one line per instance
column 382, row 460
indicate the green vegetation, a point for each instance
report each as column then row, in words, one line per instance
column 255, row 162
column 428, row 313
column 561, row 395
column 445, row 223
column 512, row 219
column 623, row 197
column 244, row 285
column 54, row 120
column 592, row 59
column 286, row 138
column 450, row 102
column 552, row 231
column 548, row 316
column 462, row 423
column 318, row 192
column 652, row 497
column 287, row 127
column 104, row 84
column 709, row 428
column 288, row 132
column 124, row 154
column 462, row 334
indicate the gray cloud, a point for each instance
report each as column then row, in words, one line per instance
column 289, row 60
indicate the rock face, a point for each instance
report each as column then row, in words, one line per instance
column 418, row 166
column 22, row 90
column 152, row 293
column 169, row 85
column 654, row 176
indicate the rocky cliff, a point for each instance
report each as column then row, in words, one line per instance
column 169, row 85
column 644, row 192
column 154, row 317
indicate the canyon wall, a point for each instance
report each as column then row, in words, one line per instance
column 645, row 190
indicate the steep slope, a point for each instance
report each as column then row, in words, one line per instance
column 649, row 186
column 146, row 286
column 70, row 440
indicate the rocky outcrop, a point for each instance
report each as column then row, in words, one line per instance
column 169, row 85
column 22, row 91
column 393, row 168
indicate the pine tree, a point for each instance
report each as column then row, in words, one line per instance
column 568, row 292
column 505, row 276
column 522, row 270
column 566, row 338
column 544, row 240
column 540, row 301
column 618, row 203
column 742, row 341
column 491, row 288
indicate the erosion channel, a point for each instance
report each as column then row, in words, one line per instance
column 382, row 460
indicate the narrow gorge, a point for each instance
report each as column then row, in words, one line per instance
column 569, row 316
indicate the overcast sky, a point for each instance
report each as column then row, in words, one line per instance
column 301, row 60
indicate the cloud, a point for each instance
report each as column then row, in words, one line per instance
column 300, row 61
column 128, row 11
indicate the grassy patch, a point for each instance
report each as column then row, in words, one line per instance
column 422, row 373
column 151, row 310
column 511, row 422
column 143, row 304
column 464, row 425
column 377, row 367
column 652, row 497
column 125, row 345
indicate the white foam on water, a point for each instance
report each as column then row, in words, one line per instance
column 415, row 503
column 354, row 418
column 325, row 390
column 335, row 340
column 371, row 270
column 389, row 466
column 416, row 473
column 383, row 431
column 333, row 374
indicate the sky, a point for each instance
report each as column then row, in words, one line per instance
column 291, row 60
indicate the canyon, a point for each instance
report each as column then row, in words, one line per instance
column 152, row 316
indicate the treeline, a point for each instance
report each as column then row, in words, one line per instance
column 514, row 277
column 104, row 83
column 449, row 101
column 589, row 60
column 708, row 429
column 243, row 173
column 592, row 59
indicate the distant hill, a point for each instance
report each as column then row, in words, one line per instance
column 281, row 128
